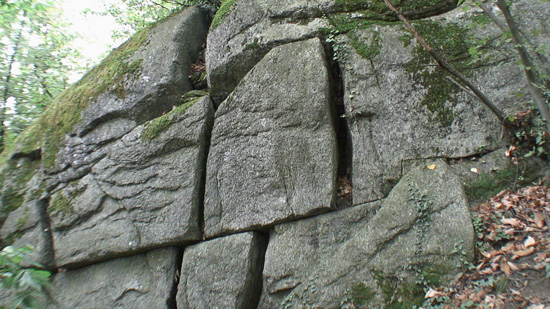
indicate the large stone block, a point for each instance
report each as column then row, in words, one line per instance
column 400, row 106
column 246, row 30
column 273, row 155
column 373, row 252
column 223, row 272
column 142, row 281
column 162, row 59
column 146, row 193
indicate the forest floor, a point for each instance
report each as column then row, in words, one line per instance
column 512, row 265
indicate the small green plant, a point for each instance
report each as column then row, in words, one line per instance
column 26, row 286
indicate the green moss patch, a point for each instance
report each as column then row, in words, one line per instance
column 377, row 9
column 441, row 96
column 158, row 125
column 13, row 182
column 60, row 204
column 64, row 113
column 409, row 293
column 225, row 8
column 490, row 184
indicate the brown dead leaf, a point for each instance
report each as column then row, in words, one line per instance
column 513, row 266
column 508, row 247
column 530, row 242
column 505, row 268
column 539, row 220
column 511, row 221
column 525, row 252
column 433, row 293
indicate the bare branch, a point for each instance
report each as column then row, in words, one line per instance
column 447, row 66
column 528, row 66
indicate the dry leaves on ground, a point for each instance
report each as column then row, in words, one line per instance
column 513, row 264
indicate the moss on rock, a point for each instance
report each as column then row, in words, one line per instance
column 13, row 182
column 158, row 125
column 441, row 95
column 64, row 113
column 225, row 8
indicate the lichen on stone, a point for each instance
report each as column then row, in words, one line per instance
column 13, row 182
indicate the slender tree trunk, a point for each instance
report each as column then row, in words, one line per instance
column 528, row 67
column 6, row 93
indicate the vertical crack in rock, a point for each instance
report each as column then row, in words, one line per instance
column 255, row 285
column 208, row 127
column 48, row 251
column 171, row 302
column 344, row 194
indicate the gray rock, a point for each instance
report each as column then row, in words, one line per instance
column 273, row 152
column 365, row 250
column 401, row 107
column 145, row 193
column 222, row 273
column 254, row 27
column 164, row 60
column 28, row 225
column 141, row 281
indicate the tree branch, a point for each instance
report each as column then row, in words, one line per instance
column 448, row 67
column 528, row 67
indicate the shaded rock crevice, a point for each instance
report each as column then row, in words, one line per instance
column 344, row 182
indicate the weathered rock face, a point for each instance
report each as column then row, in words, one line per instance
column 141, row 95
column 321, row 261
column 145, row 193
column 240, row 39
column 141, row 281
column 321, row 105
column 222, row 273
column 429, row 115
column 273, row 155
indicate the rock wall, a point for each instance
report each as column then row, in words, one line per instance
column 315, row 172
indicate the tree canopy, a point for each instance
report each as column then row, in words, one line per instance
column 36, row 57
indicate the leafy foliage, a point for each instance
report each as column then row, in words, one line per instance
column 26, row 286
column 134, row 15
column 36, row 55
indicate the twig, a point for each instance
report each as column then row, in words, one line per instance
column 528, row 67
column 445, row 65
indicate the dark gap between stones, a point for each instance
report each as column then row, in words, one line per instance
column 344, row 191
column 171, row 302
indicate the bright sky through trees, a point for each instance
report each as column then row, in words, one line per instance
column 95, row 31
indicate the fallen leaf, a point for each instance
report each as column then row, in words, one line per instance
column 539, row 220
column 433, row 293
column 432, row 167
column 525, row 252
column 530, row 242
column 513, row 266
column 505, row 268
column 508, row 247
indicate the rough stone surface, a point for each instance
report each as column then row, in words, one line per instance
column 253, row 27
column 399, row 108
column 273, row 153
column 143, row 194
column 223, row 272
column 317, row 262
column 154, row 90
column 141, row 281
column 28, row 225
